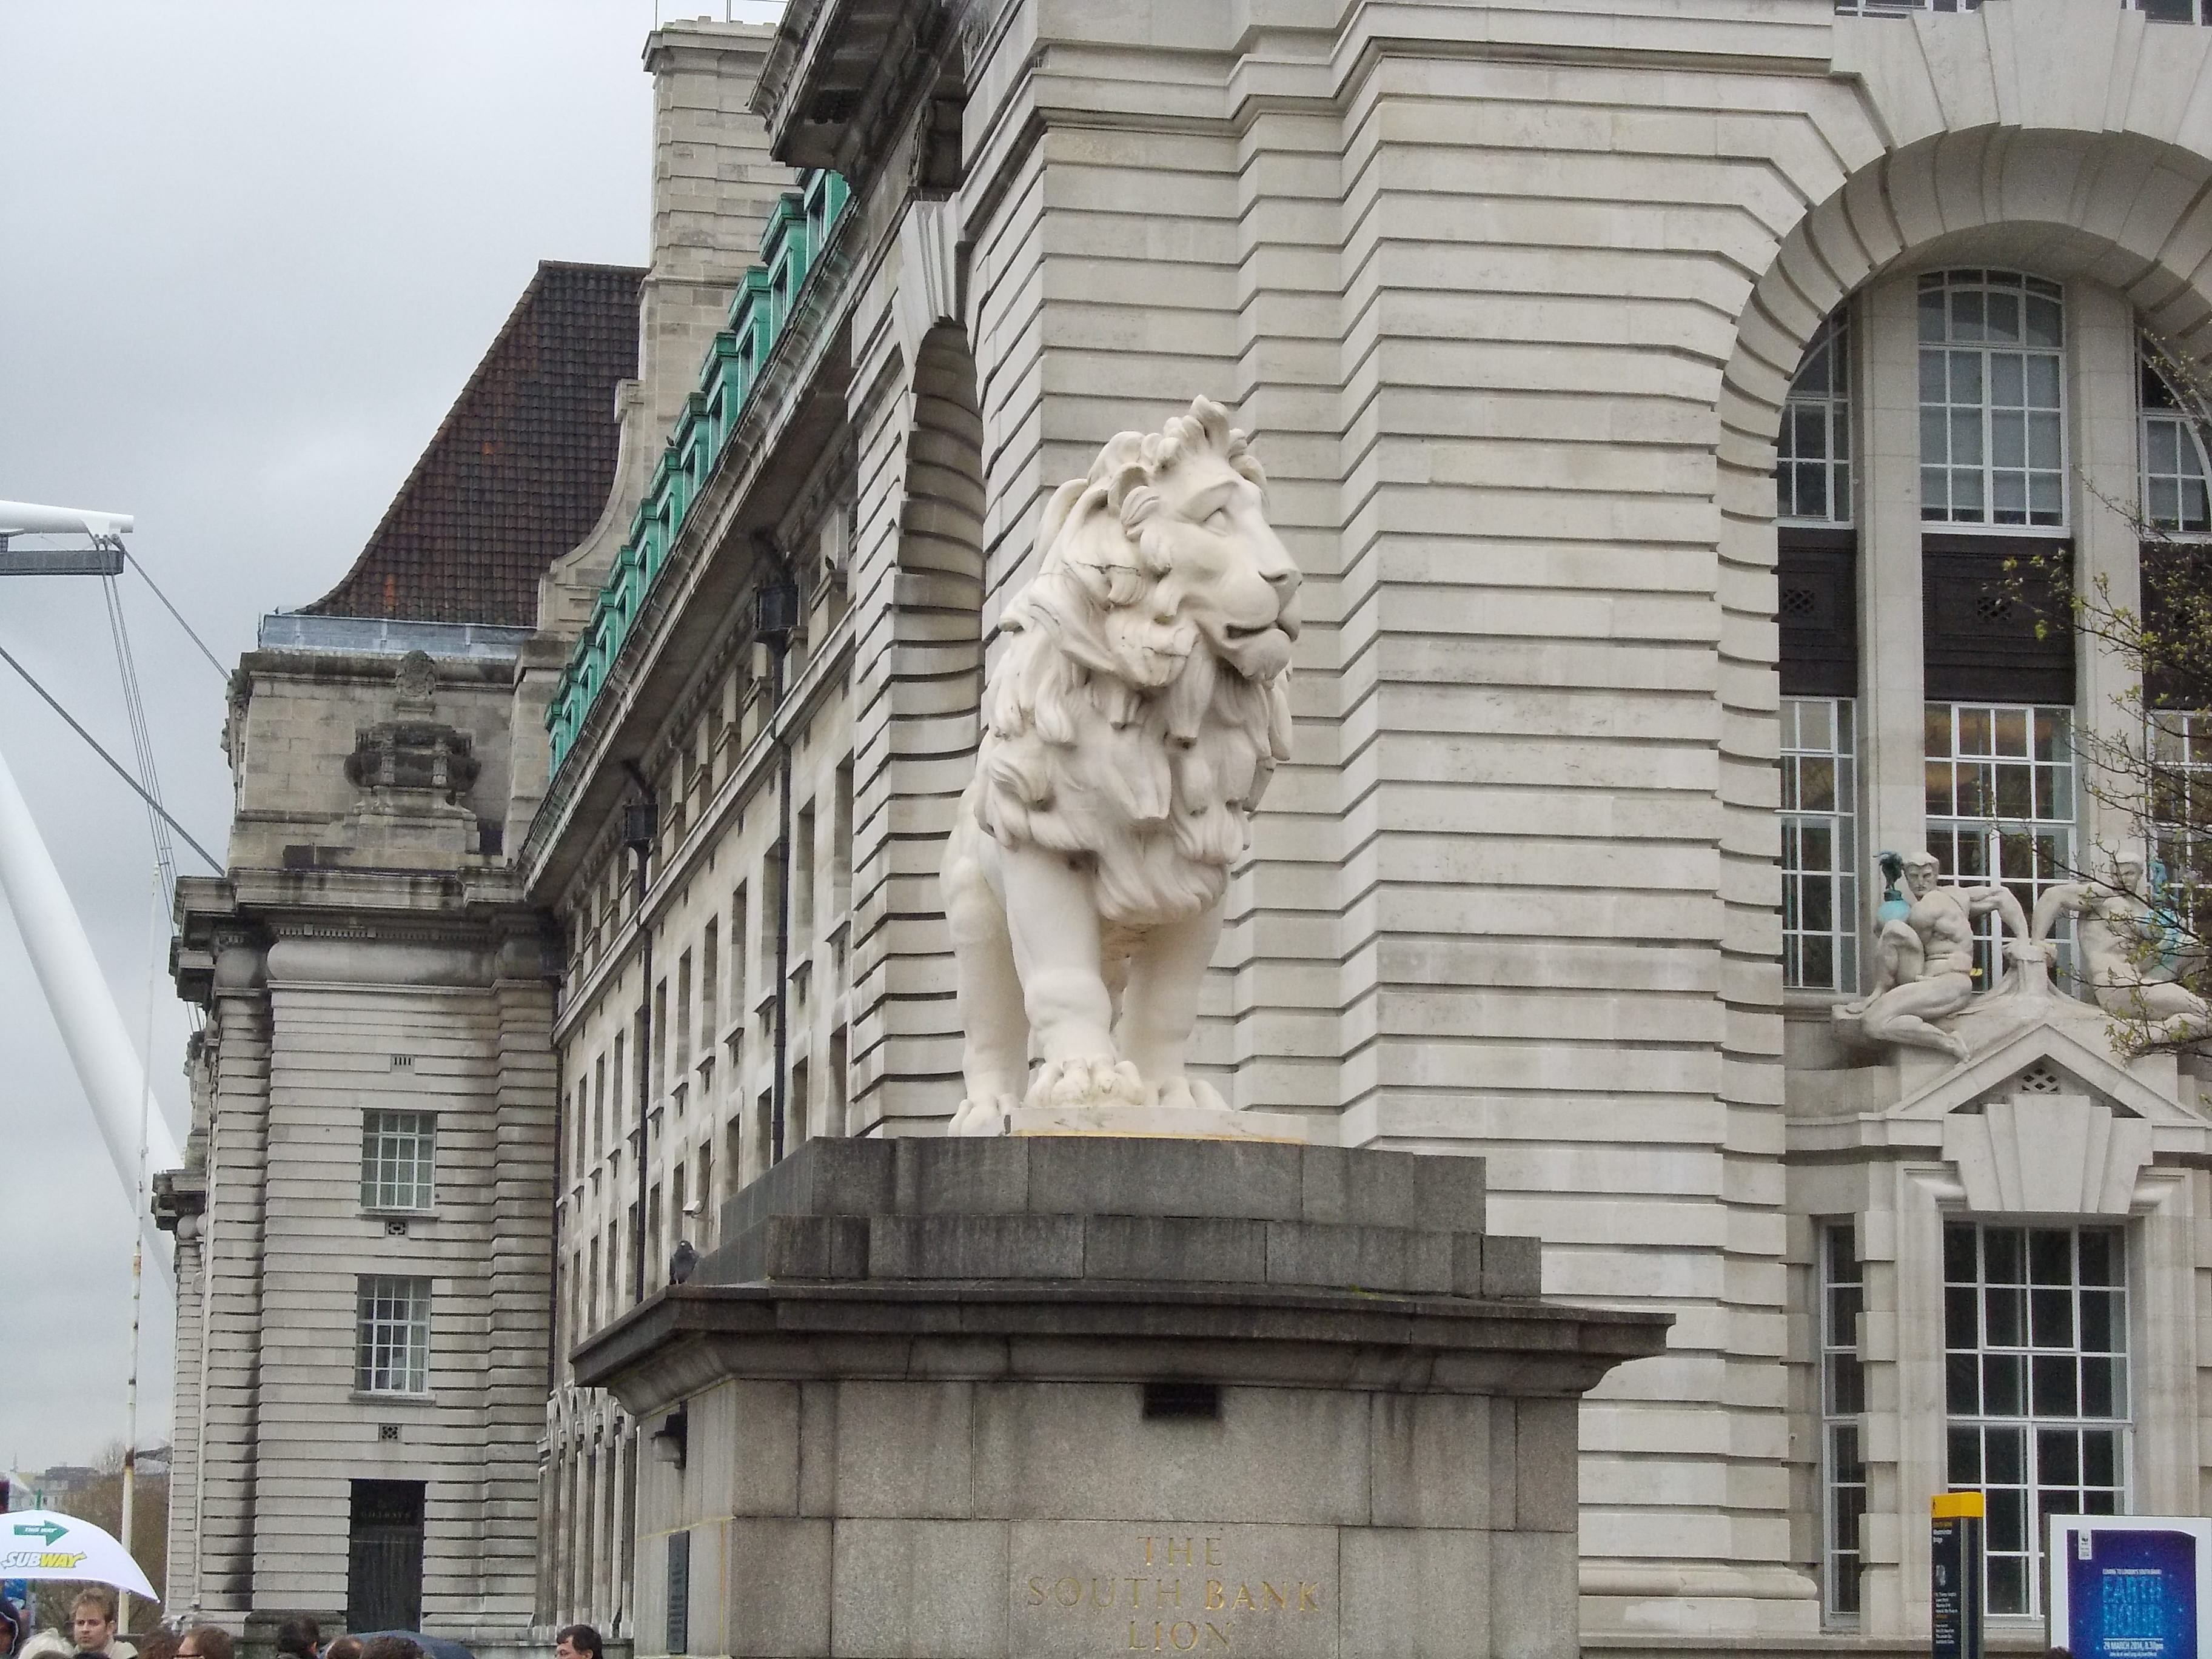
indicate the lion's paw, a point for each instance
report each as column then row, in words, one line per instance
column 1086, row 1080
column 1186, row 1092
column 994, row 1116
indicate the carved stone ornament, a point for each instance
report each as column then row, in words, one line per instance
column 417, row 683
column 413, row 754
column 1133, row 720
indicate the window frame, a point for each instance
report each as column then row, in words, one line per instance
column 419, row 1295
column 2189, row 441
column 1842, row 1390
column 2024, row 286
column 1838, row 461
column 1842, row 821
column 375, row 1139
column 2031, row 1426
column 1947, row 831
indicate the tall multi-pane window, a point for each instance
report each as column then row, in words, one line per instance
column 2175, row 497
column 1813, row 450
column 398, row 1160
column 2036, row 1386
column 1842, row 1407
column 1992, row 410
column 392, row 1335
column 1820, row 845
column 2180, row 753
column 2001, row 803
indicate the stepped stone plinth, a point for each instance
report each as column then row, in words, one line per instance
column 1047, row 1395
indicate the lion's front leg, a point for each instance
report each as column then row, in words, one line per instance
column 995, row 1056
column 1159, row 1007
column 1054, row 922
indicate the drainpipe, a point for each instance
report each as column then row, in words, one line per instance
column 775, row 615
column 641, row 825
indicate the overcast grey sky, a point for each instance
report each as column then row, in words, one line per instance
column 248, row 254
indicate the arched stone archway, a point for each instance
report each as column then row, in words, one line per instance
column 918, row 685
column 2057, row 139
column 2132, row 212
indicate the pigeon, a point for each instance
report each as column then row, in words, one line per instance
column 682, row 1262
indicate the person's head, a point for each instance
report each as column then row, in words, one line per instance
column 577, row 1642
column 392, row 1647
column 342, row 1647
column 92, row 1619
column 1921, row 873
column 300, row 1637
column 206, row 1642
column 13, row 1627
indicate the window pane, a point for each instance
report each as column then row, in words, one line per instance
column 2007, row 378
column 2043, row 322
column 2006, row 1328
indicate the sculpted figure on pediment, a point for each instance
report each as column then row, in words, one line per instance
column 1925, row 960
column 2120, row 938
column 1131, row 722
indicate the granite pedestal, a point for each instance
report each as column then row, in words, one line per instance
column 1040, row 1397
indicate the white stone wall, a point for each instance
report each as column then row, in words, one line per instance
column 1510, row 296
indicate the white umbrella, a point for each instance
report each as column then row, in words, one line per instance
column 41, row 1543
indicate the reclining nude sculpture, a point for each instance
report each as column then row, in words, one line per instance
column 2121, row 939
column 1131, row 723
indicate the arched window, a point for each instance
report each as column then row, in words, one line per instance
column 1992, row 408
column 2174, row 494
column 1813, row 450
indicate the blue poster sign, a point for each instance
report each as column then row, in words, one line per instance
column 2130, row 1587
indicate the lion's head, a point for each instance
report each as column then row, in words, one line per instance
column 1141, row 705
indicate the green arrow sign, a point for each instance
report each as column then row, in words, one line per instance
column 49, row 1530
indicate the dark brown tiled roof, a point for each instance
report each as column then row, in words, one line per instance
column 520, row 468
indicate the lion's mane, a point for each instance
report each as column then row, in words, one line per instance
column 1112, row 736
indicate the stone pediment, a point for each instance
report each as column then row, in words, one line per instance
column 2043, row 1116
column 2046, row 1120
column 2071, row 1050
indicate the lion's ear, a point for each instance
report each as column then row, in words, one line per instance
column 1057, row 509
column 1140, row 501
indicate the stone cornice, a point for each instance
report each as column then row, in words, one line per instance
column 687, row 1337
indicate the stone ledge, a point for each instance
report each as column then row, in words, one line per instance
column 1256, row 1180
column 1132, row 1210
column 689, row 1336
column 782, row 1248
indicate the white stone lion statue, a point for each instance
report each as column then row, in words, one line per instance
column 1129, row 726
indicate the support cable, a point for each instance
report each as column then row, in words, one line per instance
column 142, row 736
column 119, row 770
column 214, row 662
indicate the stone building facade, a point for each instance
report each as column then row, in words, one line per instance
column 1516, row 300
column 1652, row 392
column 364, row 1235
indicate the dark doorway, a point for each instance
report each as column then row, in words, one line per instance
column 384, row 1556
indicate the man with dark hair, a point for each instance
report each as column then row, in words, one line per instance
column 577, row 1642
column 303, row 1638
column 392, row 1647
column 207, row 1641
column 342, row 1647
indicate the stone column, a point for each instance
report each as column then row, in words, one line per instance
column 525, row 1079
column 231, row 1283
column 2102, row 402
column 1893, row 695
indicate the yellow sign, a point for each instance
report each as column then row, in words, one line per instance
column 1955, row 1505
